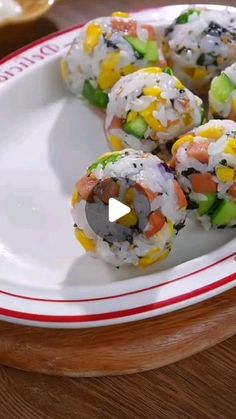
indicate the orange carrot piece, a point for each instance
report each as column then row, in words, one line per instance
column 107, row 189
column 181, row 198
column 203, row 183
column 173, row 162
column 157, row 220
column 129, row 27
column 232, row 190
column 232, row 116
column 199, row 151
column 152, row 36
column 85, row 186
column 116, row 122
column 146, row 191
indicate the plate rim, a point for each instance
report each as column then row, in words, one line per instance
column 17, row 315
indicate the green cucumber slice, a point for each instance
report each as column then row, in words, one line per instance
column 184, row 17
column 222, row 87
column 224, row 213
column 168, row 70
column 137, row 127
column 137, row 44
column 94, row 95
column 104, row 161
column 205, row 206
column 152, row 53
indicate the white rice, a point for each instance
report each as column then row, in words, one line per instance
column 83, row 66
column 128, row 96
column 218, row 157
column 146, row 170
column 195, row 44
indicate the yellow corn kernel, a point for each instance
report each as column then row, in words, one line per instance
column 116, row 143
column 165, row 48
column 189, row 71
column 187, row 119
column 231, row 147
column 220, row 60
column 149, row 109
column 128, row 69
column 171, row 228
column 151, row 121
column 120, row 14
column 212, row 132
column 64, row 69
column 179, row 85
column 234, row 106
column 75, row 198
column 129, row 197
column 107, row 79
column 87, row 243
column 153, row 256
column 149, row 258
column 151, row 70
column 182, row 140
column 225, row 174
column 199, row 73
column 154, row 123
column 152, row 91
column 128, row 220
column 93, row 33
column 131, row 116
column 111, row 61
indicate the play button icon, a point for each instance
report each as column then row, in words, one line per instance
column 108, row 204
column 116, row 210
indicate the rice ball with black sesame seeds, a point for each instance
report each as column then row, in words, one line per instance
column 106, row 49
column 149, row 109
column 205, row 164
column 200, row 44
column 145, row 235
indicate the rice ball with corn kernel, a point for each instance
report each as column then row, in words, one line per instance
column 130, row 176
column 200, row 44
column 149, row 109
column 106, row 49
column 222, row 95
column 205, row 164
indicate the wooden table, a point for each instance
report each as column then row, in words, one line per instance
column 202, row 386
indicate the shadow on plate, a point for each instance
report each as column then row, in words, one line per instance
column 76, row 140
column 84, row 269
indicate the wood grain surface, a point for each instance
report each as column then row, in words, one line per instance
column 122, row 349
column 202, row 386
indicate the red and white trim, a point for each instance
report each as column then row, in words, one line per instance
column 144, row 297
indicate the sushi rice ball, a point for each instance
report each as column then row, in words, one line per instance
column 144, row 174
column 106, row 49
column 205, row 163
column 149, row 109
column 222, row 95
column 200, row 44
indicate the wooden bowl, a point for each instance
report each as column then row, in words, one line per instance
column 32, row 9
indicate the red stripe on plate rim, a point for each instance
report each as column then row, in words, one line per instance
column 23, row 297
column 120, row 313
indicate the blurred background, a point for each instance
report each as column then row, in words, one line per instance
column 65, row 13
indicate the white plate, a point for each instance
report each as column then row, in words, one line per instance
column 48, row 138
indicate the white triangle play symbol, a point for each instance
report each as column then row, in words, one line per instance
column 116, row 210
